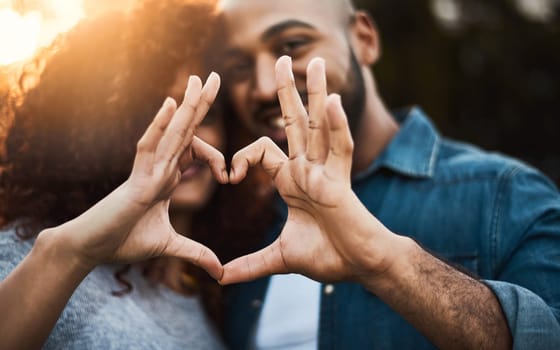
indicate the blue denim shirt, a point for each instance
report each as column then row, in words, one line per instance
column 495, row 216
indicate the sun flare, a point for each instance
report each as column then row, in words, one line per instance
column 24, row 29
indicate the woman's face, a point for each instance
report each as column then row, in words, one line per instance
column 197, row 183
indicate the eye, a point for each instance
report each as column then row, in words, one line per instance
column 240, row 70
column 292, row 45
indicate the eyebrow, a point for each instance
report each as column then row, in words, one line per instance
column 270, row 32
column 282, row 26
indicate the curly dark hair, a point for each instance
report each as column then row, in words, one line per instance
column 72, row 135
column 73, row 121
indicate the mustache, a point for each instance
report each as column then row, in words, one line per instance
column 265, row 108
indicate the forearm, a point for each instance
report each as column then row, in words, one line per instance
column 449, row 307
column 34, row 294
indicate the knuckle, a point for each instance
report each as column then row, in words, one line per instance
column 314, row 124
column 206, row 101
column 264, row 140
column 200, row 255
column 141, row 146
column 349, row 146
column 217, row 160
column 185, row 133
column 291, row 119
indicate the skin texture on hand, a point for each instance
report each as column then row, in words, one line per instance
column 314, row 181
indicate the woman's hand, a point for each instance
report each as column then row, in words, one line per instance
column 132, row 223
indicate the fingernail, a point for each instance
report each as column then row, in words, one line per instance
column 191, row 79
column 225, row 178
column 320, row 61
column 288, row 61
column 214, row 74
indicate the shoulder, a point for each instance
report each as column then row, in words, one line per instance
column 463, row 161
column 517, row 192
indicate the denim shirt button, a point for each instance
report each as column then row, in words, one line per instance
column 329, row 289
column 256, row 303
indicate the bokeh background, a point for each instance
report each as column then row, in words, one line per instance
column 487, row 72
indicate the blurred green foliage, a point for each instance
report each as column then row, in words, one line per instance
column 491, row 77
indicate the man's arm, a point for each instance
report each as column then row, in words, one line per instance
column 330, row 236
column 450, row 308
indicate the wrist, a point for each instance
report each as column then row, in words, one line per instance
column 57, row 247
column 395, row 263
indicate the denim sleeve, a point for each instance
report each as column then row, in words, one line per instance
column 531, row 320
column 526, row 258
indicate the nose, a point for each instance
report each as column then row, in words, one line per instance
column 264, row 87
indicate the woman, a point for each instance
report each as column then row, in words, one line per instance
column 71, row 143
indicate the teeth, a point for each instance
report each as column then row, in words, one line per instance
column 277, row 122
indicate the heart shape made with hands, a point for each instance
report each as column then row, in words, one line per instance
column 313, row 180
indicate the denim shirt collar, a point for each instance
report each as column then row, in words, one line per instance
column 413, row 150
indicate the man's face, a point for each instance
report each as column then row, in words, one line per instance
column 260, row 31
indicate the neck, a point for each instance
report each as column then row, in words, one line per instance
column 375, row 130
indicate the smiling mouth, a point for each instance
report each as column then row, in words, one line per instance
column 192, row 171
column 271, row 121
column 272, row 117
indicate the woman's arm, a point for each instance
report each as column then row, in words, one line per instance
column 34, row 294
column 130, row 224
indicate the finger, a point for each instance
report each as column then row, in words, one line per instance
column 149, row 141
column 293, row 111
column 317, row 131
column 208, row 96
column 215, row 159
column 265, row 262
column 196, row 253
column 181, row 126
column 339, row 159
column 263, row 151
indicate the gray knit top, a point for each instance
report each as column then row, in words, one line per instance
column 151, row 316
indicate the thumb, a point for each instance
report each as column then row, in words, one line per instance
column 267, row 261
column 195, row 253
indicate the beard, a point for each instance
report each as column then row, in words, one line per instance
column 353, row 95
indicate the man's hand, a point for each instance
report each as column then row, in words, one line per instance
column 324, row 236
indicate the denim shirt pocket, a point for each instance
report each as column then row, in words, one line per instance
column 465, row 262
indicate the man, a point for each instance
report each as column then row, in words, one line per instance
column 494, row 217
